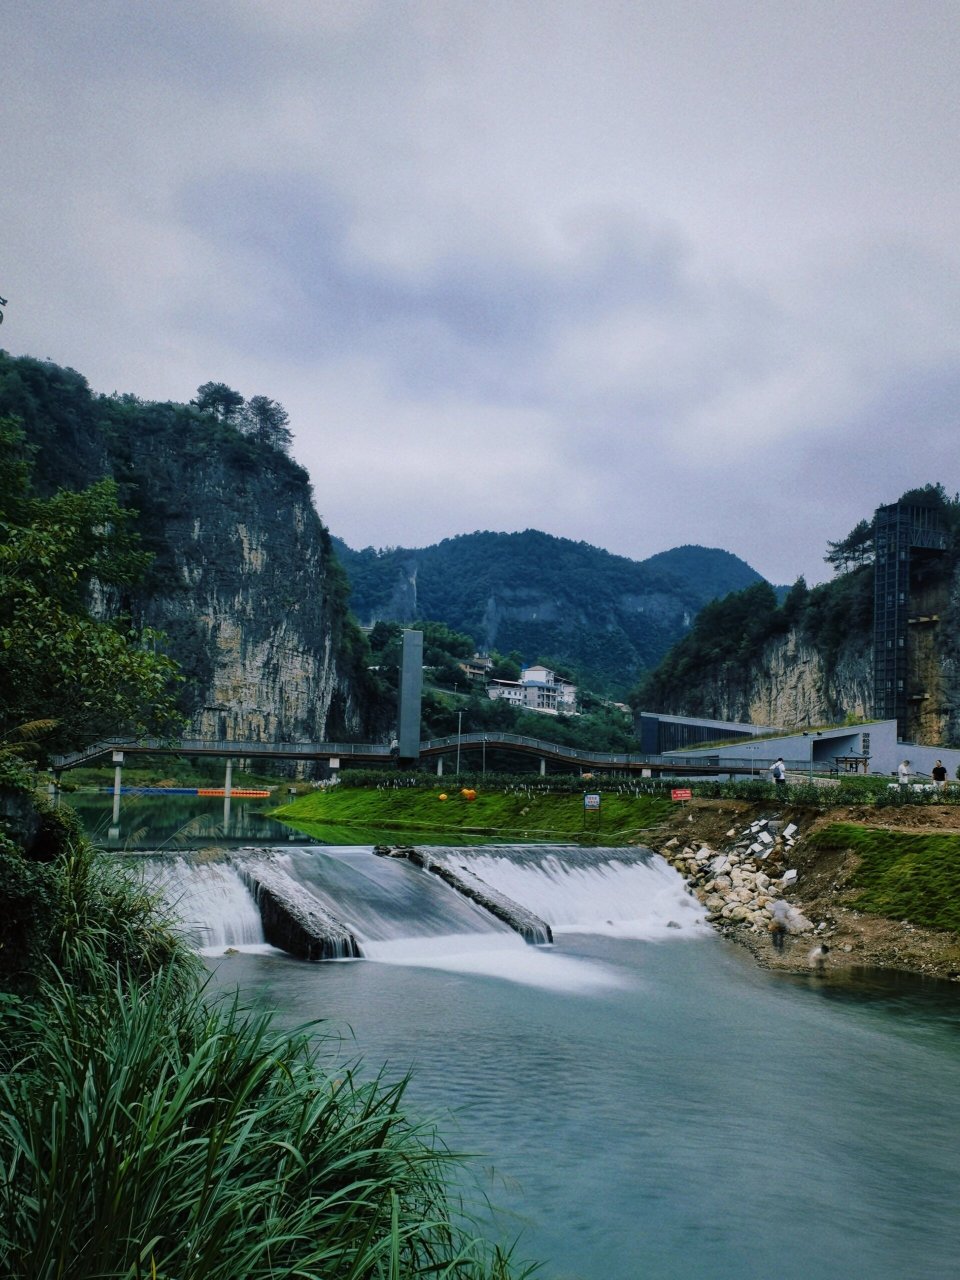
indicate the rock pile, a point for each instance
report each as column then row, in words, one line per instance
column 739, row 885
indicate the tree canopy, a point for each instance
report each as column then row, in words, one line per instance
column 58, row 662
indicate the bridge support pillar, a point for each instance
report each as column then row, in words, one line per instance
column 227, row 793
column 543, row 766
column 439, row 766
column 117, row 776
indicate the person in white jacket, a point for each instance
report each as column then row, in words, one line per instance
column 904, row 772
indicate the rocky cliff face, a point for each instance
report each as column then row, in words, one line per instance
column 246, row 587
column 794, row 683
column 790, row 684
column 244, row 582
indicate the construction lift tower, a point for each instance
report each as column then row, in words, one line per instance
column 901, row 532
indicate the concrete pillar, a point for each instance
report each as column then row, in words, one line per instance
column 117, row 775
column 439, row 766
column 543, row 766
column 227, row 793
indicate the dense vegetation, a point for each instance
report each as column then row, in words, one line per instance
column 455, row 703
column 63, row 672
column 729, row 635
column 901, row 875
column 565, row 603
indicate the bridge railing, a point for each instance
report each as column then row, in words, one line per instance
column 380, row 752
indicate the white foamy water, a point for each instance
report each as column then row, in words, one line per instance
column 214, row 905
column 585, row 892
column 495, row 955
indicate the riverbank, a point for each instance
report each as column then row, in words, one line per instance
column 833, row 890
column 891, row 903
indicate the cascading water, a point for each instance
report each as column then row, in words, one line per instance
column 399, row 913
column 210, row 898
column 629, row 892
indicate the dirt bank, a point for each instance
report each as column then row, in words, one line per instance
column 823, row 888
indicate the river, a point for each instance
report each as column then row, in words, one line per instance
column 643, row 1102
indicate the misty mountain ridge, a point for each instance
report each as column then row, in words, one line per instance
column 605, row 616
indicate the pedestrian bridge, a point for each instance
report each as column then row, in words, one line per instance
column 453, row 748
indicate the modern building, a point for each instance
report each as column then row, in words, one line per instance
column 538, row 689
column 872, row 747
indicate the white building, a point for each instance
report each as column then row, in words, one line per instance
column 538, row 689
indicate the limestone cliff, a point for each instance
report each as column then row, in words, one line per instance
column 791, row 683
column 819, row 670
column 244, row 582
column 249, row 593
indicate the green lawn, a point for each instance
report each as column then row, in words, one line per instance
column 513, row 814
column 902, row 875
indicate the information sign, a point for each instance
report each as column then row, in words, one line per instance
column 591, row 800
column 681, row 793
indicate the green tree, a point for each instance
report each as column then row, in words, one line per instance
column 219, row 400
column 57, row 662
column 267, row 422
column 853, row 551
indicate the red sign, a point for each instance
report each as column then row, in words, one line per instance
column 681, row 793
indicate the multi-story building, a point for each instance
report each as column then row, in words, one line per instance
column 538, row 689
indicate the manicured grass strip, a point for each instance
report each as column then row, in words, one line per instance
column 902, row 875
column 494, row 812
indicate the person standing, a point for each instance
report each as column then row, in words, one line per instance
column 904, row 772
column 779, row 771
column 939, row 775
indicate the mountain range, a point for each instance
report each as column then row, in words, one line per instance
column 605, row 617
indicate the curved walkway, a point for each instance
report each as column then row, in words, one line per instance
column 432, row 748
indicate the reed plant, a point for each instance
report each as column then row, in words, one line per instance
column 147, row 1132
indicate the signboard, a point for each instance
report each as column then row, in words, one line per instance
column 591, row 800
column 681, row 793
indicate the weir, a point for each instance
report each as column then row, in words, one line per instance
column 426, row 905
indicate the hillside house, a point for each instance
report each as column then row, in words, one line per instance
column 538, row 689
column 477, row 667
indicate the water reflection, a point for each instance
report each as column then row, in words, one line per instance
column 151, row 822
column 179, row 822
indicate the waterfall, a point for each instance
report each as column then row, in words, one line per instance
column 626, row 892
column 211, row 900
column 390, row 911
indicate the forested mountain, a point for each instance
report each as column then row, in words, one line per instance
column 545, row 598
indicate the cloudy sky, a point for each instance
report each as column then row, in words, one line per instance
column 629, row 272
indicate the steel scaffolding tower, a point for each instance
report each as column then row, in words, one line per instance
column 898, row 530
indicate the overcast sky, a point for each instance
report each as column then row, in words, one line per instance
column 638, row 273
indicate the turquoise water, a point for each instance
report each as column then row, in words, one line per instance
column 661, row 1110
column 697, row 1118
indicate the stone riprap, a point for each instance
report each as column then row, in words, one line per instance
column 740, row 884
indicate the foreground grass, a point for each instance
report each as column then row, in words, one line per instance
column 147, row 1131
column 157, row 1136
column 510, row 815
column 901, row 875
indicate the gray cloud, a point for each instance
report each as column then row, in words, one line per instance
column 634, row 276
